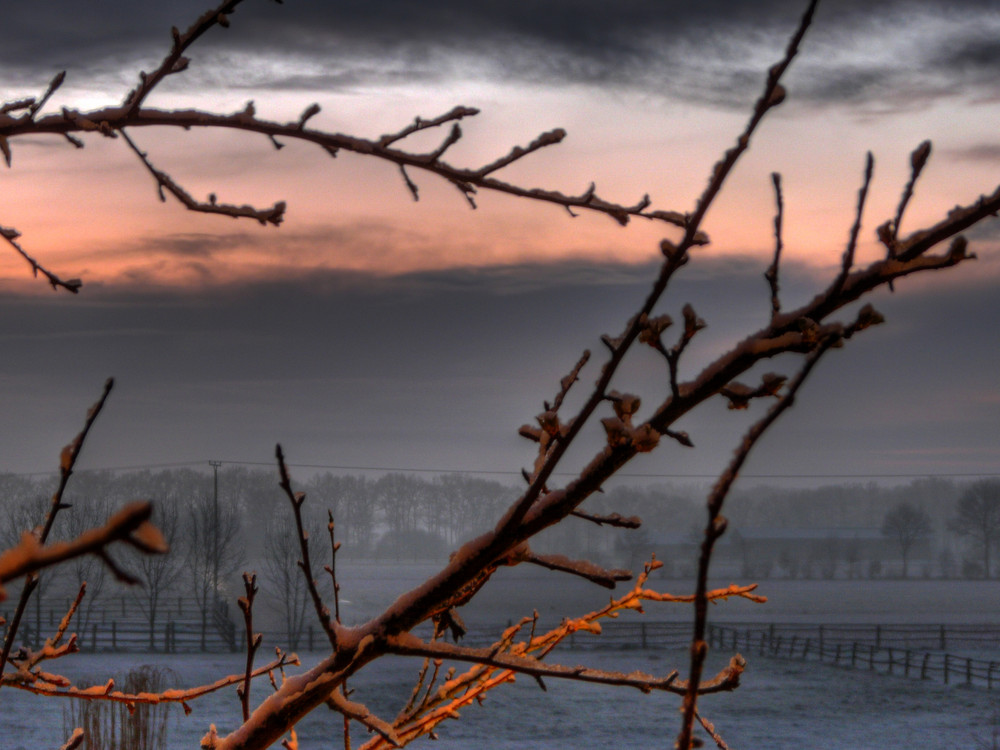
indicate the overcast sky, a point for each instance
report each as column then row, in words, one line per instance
column 370, row 330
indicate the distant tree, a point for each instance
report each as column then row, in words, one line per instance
column 977, row 518
column 947, row 563
column 906, row 525
column 285, row 586
column 85, row 513
column 157, row 574
column 215, row 551
column 22, row 517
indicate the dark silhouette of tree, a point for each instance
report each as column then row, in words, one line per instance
column 158, row 574
column 906, row 525
column 215, row 551
column 282, row 578
column 977, row 518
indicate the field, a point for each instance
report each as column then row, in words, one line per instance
column 781, row 704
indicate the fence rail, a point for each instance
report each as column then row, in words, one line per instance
column 895, row 649
column 874, row 653
column 932, row 637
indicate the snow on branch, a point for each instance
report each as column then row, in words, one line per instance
column 130, row 525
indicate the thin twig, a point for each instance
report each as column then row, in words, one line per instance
column 253, row 639
column 273, row 215
column 296, row 499
column 772, row 271
column 716, row 526
column 67, row 460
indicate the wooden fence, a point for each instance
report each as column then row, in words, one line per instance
column 120, row 625
column 909, row 650
column 905, row 650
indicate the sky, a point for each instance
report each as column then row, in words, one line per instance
column 370, row 330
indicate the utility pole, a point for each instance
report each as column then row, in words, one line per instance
column 215, row 530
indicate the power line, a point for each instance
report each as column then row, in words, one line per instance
column 489, row 472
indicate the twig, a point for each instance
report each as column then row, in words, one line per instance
column 130, row 525
column 772, row 271
column 363, row 716
column 710, row 728
column 67, row 460
column 852, row 243
column 253, row 639
column 273, row 215
column 583, row 568
column 407, row 644
column 296, row 499
column 716, row 526
column 75, row 740
column 70, row 285
column 175, row 62
column 918, row 160
column 107, row 692
column 615, row 519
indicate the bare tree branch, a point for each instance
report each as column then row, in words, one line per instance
column 407, row 644
column 130, row 525
column 296, row 499
column 70, row 285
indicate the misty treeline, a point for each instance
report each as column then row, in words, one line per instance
column 238, row 523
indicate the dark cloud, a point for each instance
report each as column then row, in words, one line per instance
column 439, row 369
column 977, row 152
column 714, row 51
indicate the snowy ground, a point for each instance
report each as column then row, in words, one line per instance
column 781, row 703
column 514, row 593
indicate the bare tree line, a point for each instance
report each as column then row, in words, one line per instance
column 801, row 337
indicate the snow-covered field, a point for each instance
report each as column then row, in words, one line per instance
column 781, row 703
column 514, row 593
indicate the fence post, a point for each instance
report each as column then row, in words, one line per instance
column 836, row 658
column 946, row 669
column 854, row 653
column 871, row 658
column 906, row 667
column 878, row 636
column 923, row 667
column 805, row 649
